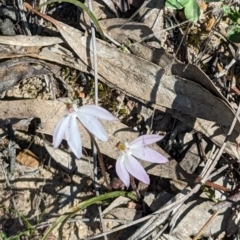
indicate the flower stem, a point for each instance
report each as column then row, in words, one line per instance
column 101, row 163
column 134, row 187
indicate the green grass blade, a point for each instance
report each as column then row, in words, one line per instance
column 85, row 8
column 86, row 203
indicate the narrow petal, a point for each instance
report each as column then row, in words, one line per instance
column 73, row 137
column 135, row 169
column 148, row 154
column 145, row 140
column 59, row 130
column 93, row 126
column 97, row 111
column 121, row 171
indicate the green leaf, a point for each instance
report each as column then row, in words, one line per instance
column 86, row 9
column 192, row 11
column 234, row 35
column 226, row 9
column 233, row 14
column 3, row 236
column 82, row 205
column 176, row 4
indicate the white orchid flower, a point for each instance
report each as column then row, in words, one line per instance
column 87, row 115
column 127, row 163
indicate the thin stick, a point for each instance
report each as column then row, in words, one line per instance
column 42, row 10
column 168, row 207
column 23, row 18
column 96, row 103
column 160, row 232
column 206, row 225
column 181, row 42
column 204, row 179
column 11, row 192
column 100, row 158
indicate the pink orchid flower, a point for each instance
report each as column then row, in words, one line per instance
column 128, row 164
column 87, row 115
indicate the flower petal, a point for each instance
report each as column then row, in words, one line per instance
column 96, row 111
column 73, row 137
column 145, row 140
column 135, row 169
column 59, row 130
column 148, row 154
column 93, row 126
column 121, row 170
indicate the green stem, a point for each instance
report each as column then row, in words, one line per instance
column 85, row 8
column 85, row 204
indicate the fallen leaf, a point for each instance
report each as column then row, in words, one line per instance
column 203, row 6
column 15, row 70
column 188, row 101
column 22, row 40
column 27, row 158
column 209, row 24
